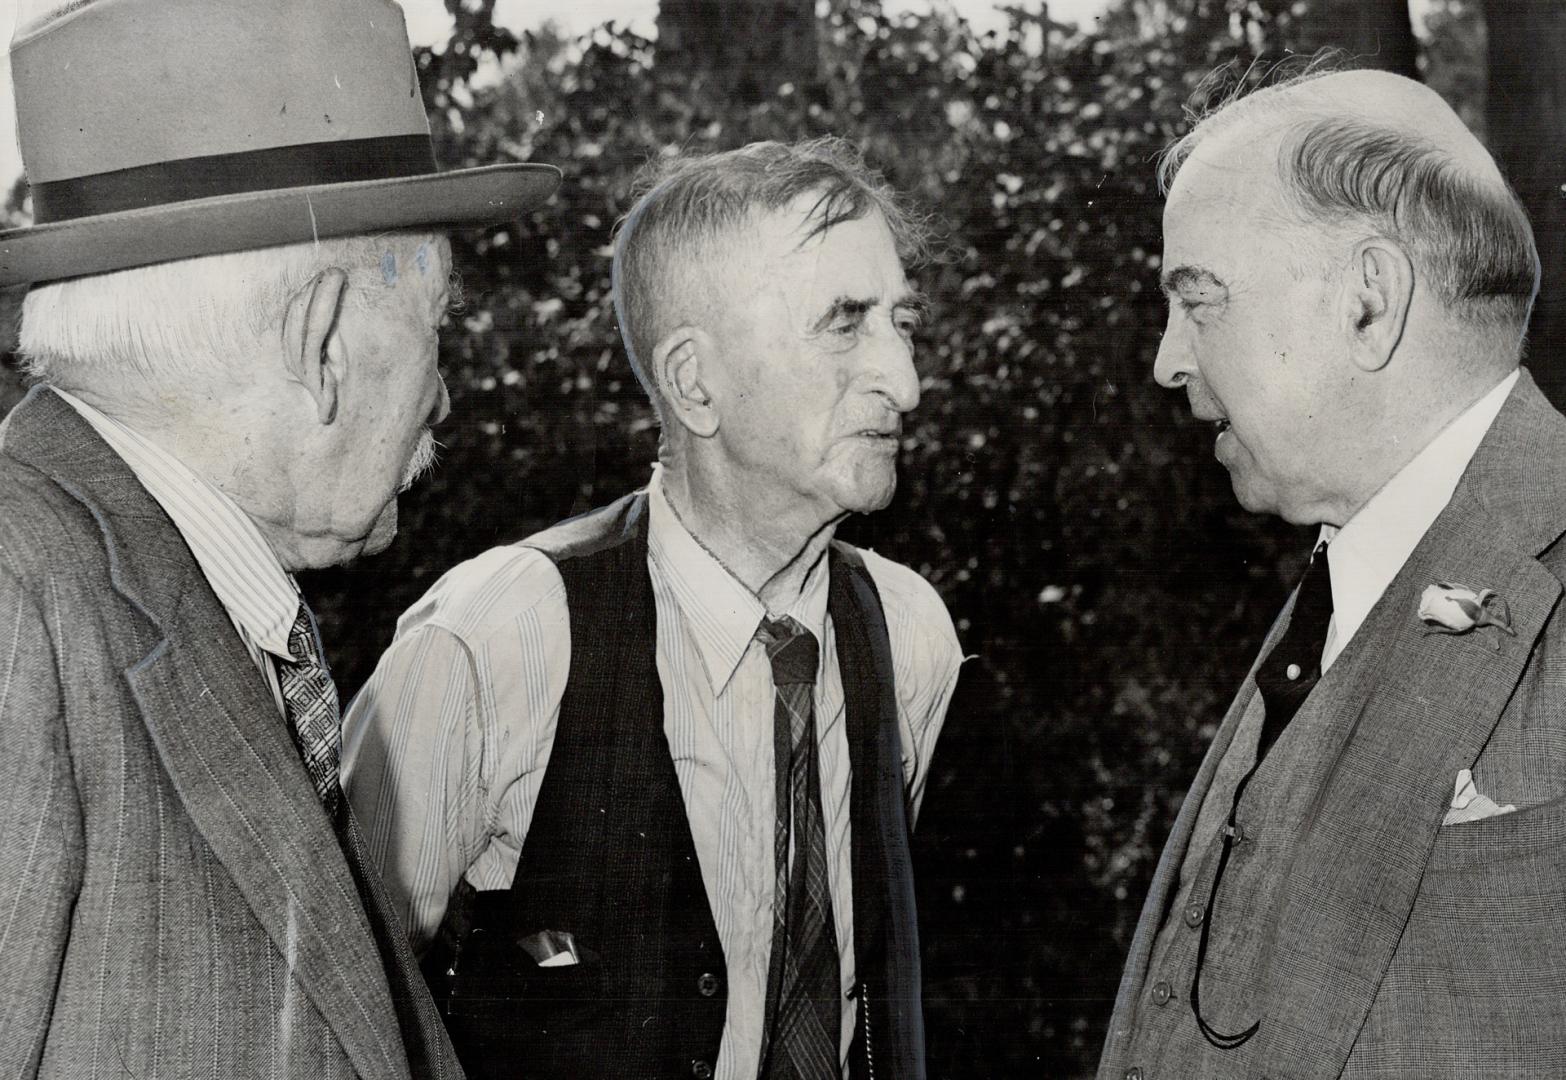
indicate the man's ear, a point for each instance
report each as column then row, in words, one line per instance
column 1380, row 290
column 312, row 348
column 681, row 367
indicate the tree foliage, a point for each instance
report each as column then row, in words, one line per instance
column 1526, row 116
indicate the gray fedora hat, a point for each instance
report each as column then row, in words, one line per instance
column 154, row 130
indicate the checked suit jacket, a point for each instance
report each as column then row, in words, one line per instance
column 1397, row 947
column 174, row 901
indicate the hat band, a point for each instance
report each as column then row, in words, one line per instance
column 344, row 161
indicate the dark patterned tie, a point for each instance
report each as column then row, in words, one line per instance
column 310, row 705
column 1284, row 679
column 803, row 990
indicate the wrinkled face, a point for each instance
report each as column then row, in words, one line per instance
column 393, row 390
column 1252, row 336
column 815, row 366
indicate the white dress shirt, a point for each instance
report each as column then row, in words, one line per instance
column 446, row 746
column 1372, row 546
column 260, row 597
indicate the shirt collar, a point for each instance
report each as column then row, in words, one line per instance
column 1372, row 546
column 722, row 612
column 258, row 594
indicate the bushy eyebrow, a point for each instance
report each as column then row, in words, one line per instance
column 915, row 302
column 856, row 307
column 852, row 307
column 1189, row 277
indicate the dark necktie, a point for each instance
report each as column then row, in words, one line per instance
column 310, row 706
column 1284, row 678
column 803, row 1015
column 1293, row 667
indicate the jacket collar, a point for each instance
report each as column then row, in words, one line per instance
column 219, row 735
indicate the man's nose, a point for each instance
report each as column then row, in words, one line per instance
column 896, row 378
column 1175, row 363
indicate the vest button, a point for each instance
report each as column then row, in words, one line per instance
column 1162, row 992
column 1133, row 1073
column 1194, row 914
column 707, row 985
column 701, row 1070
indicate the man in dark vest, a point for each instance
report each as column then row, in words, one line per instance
column 643, row 784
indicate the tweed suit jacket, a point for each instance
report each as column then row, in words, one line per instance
column 1397, row 946
column 174, row 901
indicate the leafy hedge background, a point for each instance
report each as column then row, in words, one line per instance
column 1110, row 591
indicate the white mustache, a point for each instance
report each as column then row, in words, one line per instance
column 422, row 461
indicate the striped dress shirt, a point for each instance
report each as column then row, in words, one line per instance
column 259, row 596
column 446, row 746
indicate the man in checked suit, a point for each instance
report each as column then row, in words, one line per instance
column 1368, row 878
column 606, row 772
column 233, row 319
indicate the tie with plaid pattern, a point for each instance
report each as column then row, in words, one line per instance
column 803, row 991
column 310, row 705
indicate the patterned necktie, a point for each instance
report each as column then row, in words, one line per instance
column 310, row 705
column 803, row 989
column 1284, row 679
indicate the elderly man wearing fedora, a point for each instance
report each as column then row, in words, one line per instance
column 237, row 275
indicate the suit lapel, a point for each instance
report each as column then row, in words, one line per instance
column 1166, row 876
column 1410, row 709
column 217, row 730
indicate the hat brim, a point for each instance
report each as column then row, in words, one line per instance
column 489, row 195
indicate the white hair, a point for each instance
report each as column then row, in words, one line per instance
column 195, row 315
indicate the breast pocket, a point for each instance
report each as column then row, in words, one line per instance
column 1517, row 839
column 1478, row 980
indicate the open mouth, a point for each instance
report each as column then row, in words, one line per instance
column 888, row 434
column 1221, row 424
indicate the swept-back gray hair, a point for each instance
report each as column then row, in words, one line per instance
column 690, row 202
column 194, row 315
column 1465, row 231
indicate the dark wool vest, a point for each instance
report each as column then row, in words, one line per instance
column 609, row 855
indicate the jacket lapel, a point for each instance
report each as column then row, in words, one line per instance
column 1412, row 709
column 228, row 752
column 1167, row 874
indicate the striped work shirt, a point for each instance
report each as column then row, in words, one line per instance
column 260, row 597
column 447, row 744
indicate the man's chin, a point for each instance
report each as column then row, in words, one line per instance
column 1252, row 499
column 383, row 532
column 867, row 498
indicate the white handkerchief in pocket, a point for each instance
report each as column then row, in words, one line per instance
column 1469, row 805
column 551, row 948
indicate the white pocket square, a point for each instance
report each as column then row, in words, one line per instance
column 552, row 948
column 1469, row 805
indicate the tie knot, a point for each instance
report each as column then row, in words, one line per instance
column 792, row 650
column 1314, row 602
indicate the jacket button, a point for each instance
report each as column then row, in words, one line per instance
column 1194, row 913
column 1162, row 992
column 1133, row 1073
column 707, row 985
column 701, row 1070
